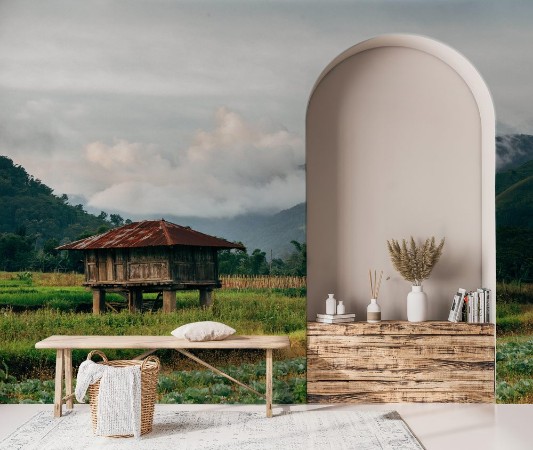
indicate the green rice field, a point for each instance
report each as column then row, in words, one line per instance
column 514, row 343
column 32, row 309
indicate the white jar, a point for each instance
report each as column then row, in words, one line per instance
column 373, row 312
column 417, row 305
column 340, row 308
column 331, row 304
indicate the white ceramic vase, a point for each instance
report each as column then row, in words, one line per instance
column 331, row 304
column 373, row 312
column 417, row 305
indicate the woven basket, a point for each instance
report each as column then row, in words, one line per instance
column 149, row 373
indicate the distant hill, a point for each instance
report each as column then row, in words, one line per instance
column 513, row 150
column 514, row 197
column 514, row 181
column 514, row 223
column 30, row 208
column 266, row 232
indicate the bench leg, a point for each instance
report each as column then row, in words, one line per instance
column 67, row 353
column 269, row 382
column 58, row 394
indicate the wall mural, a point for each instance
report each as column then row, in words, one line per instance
column 194, row 113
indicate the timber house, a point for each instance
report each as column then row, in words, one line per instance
column 151, row 256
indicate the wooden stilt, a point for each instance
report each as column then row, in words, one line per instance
column 206, row 297
column 169, row 301
column 138, row 299
column 135, row 300
column 98, row 301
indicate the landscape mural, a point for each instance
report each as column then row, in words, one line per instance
column 194, row 112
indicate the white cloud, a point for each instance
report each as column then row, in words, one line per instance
column 136, row 78
column 233, row 169
column 121, row 155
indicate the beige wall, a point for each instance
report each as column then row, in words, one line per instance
column 394, row 148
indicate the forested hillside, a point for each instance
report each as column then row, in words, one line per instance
column 33, row 221
column 30, row 207
column 514, row 197
column 514, row 222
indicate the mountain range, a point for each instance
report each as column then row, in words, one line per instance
column 513, row 150
column 514, row 197
column 29, row 206
column 270, row 233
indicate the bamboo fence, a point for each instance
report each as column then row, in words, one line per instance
column 262, row 282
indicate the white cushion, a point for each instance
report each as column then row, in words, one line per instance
column 203, row 331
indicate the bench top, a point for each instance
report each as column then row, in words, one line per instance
column 157, row 342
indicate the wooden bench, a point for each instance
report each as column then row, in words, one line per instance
column 64, row 345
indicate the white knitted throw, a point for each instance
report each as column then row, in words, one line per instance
column 119, row 397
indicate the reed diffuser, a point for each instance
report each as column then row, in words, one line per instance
column 373, row 311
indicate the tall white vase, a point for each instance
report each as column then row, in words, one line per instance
column 417, row 305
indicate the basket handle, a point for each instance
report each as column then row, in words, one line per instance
column 150, row 358
column 99, row 353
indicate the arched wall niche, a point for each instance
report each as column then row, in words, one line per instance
column 400, row 136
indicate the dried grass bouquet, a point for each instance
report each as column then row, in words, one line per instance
column 415, row 263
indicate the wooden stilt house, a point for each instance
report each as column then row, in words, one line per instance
column 151, row 256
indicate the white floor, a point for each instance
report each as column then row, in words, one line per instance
column 438, row 426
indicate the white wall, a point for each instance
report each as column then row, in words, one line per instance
column 394, row 148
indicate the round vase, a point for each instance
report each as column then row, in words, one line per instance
column 417, row 305
column 331, row 304
column 373, row 312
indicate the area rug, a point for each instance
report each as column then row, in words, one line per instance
column 316, row 429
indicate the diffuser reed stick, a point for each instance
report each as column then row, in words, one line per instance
column 375, row 284
column 379, row 285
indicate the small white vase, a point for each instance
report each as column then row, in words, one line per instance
column 340, row 308
column 373, row 312
column 331, row 304
column 417, row 305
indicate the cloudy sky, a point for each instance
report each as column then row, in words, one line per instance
column 197, row 108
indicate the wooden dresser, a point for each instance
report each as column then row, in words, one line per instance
column 396, row 361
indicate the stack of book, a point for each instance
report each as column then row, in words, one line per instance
column 471, row 307
column 335, row 318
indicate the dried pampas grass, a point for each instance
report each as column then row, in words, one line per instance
column 415, row 263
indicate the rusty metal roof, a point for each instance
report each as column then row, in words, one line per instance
column 149, row 233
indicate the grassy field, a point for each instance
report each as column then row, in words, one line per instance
column 37, row 305
column 32, row 308
column 514, row 343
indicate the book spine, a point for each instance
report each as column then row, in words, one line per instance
column 459, row 314
column 488, row 305
column 465, row 308
column 453, row 308
column 481, row 312
column 457, row 306
column 470, row 308
column 335, row 316
column 334, row 320
column 476, row 307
